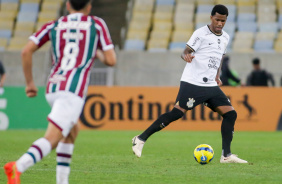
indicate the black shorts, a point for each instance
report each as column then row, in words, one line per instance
column 189, row 96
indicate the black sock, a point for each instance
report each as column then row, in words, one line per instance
column 164, row 120
column 227, row 130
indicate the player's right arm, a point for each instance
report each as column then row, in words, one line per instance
column 27, row 52
column 192, row 46
column 187, row 54
column 35, row 42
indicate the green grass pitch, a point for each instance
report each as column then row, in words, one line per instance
column 105, row 157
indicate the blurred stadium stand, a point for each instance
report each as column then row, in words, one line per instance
column 165, row 24
column 113, row 12
column 148, row 36
column 20, row 18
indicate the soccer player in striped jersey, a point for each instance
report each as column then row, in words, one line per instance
column 76, row 39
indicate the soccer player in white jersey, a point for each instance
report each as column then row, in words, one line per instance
column 200, row 84
column 76, row 39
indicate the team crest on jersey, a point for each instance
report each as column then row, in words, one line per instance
column 190, row 103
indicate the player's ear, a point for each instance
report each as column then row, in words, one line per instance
column 68, row 6
column 89, row 6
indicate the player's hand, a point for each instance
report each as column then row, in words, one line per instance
column 31, row 90
column 187, row 57
column 218, row 81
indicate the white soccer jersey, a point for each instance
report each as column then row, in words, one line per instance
column 208, row 51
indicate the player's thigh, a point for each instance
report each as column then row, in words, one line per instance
column 218, row 101
column 189, row 95
column 65, row 111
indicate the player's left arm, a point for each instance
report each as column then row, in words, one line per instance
column 217, row 77
column 107, row 57
column 27, row 52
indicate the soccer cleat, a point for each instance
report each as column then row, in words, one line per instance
column 12, row 173
column 232, row 159
column 137, row 146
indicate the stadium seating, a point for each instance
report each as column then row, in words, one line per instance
column 8, row 25
column 9, row 1
column 247, row 27
column 230, row 28
column 278, row 45
column 29, row 7
column 20, row 18
column 5, row 33
column 140, row 24
column 165, row 2
column 17, row 43
column 243, row 42
column 204, row 8
column 206, row 2
column 263, row 46
column 177, row 46
column 232, row 13
column 47, row 16
column 268, row 27
column 181, row 36
column 27, row 17
column 132, row 45
column 226, row 2
column 260, row 19
column 156, row 45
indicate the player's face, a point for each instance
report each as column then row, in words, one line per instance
column 218, row 22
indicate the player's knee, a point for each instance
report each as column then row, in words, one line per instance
column 230, row 116
column 171, row 116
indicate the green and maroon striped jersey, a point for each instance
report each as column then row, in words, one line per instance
column 75, row 39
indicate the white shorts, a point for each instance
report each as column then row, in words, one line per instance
column 66, row 109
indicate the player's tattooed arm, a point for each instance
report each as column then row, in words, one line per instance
column 187, row 54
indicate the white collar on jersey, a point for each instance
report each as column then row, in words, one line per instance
column 214, row 32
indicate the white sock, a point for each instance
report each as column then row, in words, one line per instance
column 64, row 154
column 39, row 149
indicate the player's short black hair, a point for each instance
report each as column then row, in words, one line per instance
column 78, row 4
column 219, row 8
column 256, row 61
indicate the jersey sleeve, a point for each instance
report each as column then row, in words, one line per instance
column 227, row 38
column 104, row 41
column 195, row 41
column 42, row 35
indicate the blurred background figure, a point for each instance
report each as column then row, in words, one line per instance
column 2, row 77
column 228, row 77
column 259, row 77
